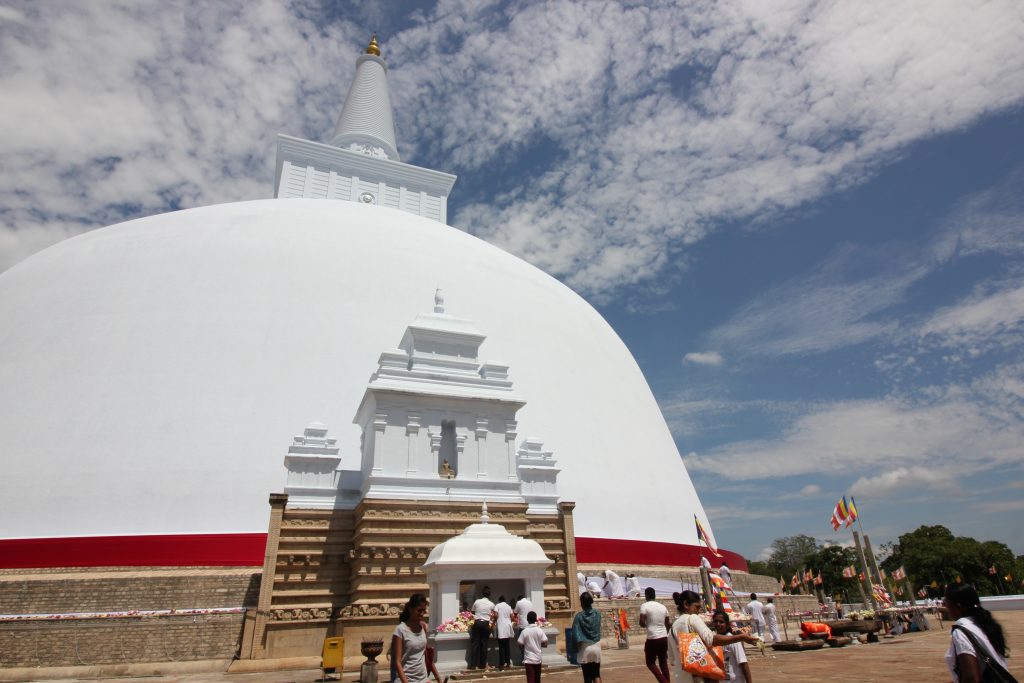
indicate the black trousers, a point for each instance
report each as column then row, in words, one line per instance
column 478, row 638
column 504, row 656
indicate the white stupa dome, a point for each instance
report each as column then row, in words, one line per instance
column 153, row 373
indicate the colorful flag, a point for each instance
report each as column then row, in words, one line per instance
column 899, row 574
column 840, row 514
column 817, row 579
column 860, row 576
column 849, row 572
column 702, row 535
column 992, row 570
column 808, row 575
column 720, row 587
column 794, row 582
column 922, row 593
column 853, row 512
column 881, row 573
column 881, row 595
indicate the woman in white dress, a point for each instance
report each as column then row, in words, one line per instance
column 690, row 620
column 977, row 640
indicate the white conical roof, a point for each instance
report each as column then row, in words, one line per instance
column 487, row 543
column 367, row 123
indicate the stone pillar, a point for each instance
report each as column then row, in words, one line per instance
column 380, row 423
column 565, row 509
column 412, row 435
column 867, row 572
column 278, row 501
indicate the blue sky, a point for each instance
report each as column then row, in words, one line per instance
column 806, row 219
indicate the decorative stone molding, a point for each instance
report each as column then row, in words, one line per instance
column 413, row 426
column 364, row 610
column 482, row 423
column 300, row 614
column 510, row 430
column 555, row 604
column 380, row 421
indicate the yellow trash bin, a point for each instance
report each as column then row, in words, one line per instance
column 333, row 655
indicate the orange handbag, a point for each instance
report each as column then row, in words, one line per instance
column 700, row 660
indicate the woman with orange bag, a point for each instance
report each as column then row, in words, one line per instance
column 690, row 606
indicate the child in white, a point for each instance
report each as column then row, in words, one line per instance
column 736, row 668
column 532, row 640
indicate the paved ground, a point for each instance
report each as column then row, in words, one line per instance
column 914, row 658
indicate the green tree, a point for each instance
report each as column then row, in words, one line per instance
column 830, row 561
column 933, row 553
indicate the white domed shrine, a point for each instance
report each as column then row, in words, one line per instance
column 153, row 375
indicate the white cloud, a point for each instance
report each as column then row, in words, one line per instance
column 953, row 429
column 124, row 110
column 1001, row 506
column 981, row 319
column 810, row 490
column 703, row 358
column 900, row 479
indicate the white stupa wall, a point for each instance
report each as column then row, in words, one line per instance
column 264, row 315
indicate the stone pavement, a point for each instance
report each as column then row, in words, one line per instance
column 913, row 658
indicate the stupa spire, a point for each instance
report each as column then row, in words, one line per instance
column 366, row 124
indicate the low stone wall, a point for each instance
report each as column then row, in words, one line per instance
column 59, row 639
column 119, row 641
column 112, row 590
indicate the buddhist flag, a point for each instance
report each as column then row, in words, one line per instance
column 899, row 574
column 852, row 509
column 992, row 570
column 702, row 535
column 849, row 572
column 794, row 582
column 881, row 573
column 922, row 593
column 623, row 622
column 817, row 579
column 840, row 513
column 808, row 575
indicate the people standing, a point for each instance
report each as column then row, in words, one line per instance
column 654, row 617
column 737, row 670
column 531, row 641
column 409, row 644
column 977, row 639
column 586, row 633
column 503, row 632
column 726, row 574
column 689, row 605
column 755, row 608
column 522, row 609
column 771, row 620
column 612, row 585
column 482, row 610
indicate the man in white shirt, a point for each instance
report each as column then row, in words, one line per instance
column 531, row 642
column 771, row 621
column 482, row 610
column 756, row 611
column 503, row 631
column 726, row 574
column 632, row 586
column 522, row 609
column 654, row 617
